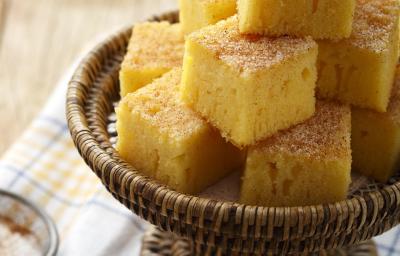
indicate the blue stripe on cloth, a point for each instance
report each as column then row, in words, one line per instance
column 388, row 249
column 53, row 121
column 69, row 202
column 38, row 156
column 396, row 240
column 21, row 173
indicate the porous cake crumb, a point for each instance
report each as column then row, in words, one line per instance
column 196, row 14
column 307, row 164
column 321, row 19
column 360, row 70
column 166, row 140
column 249, row 87
column 154, row 49
column 376, row 138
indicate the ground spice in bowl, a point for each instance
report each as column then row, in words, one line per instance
column 25, row 229
column 16, row 240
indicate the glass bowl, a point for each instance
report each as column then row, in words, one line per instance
column 25, row 229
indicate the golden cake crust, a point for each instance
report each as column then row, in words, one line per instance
column 248, row 52
column 209, row 1
column 316, row 138
column 166, row 38
column 165, row 110
column 394, row 105
column 374, row 20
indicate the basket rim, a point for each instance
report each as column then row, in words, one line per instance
column 78, row 126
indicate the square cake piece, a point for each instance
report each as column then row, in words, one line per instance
column 308, row 164
column 360, row 70
column 154, row 49
column 165, row 140
column 249, row 87
column 195, row 14
column 376, row 138
column 321, row 19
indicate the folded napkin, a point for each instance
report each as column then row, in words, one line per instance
column 44, row 166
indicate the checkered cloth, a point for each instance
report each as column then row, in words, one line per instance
column 44, row 166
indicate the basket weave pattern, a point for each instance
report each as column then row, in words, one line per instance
column 215, row 226
column 160, row 243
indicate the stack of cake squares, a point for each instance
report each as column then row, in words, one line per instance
column 294, row 94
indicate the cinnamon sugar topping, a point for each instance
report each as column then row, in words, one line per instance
column 167, row 39
column 160, row 105
column 248, row 52
column 324, row 136
column 375, row 22
column 16, row 240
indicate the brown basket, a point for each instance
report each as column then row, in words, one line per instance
column 215, row 226
column 159, row 243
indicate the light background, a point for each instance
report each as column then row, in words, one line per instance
column 39, row 40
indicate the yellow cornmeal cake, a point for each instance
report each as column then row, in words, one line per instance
column 308, row 164
column 166, row 140
column 154, row 49
column 321, row 19
column 376, row 138
column 195, row 14
column 249, row 87
column 360, row 70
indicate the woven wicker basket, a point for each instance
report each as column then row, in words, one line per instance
column 160, row 243
column 215, row 226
